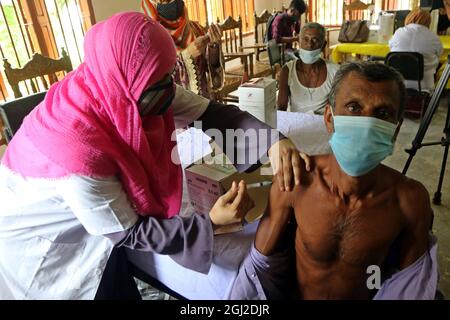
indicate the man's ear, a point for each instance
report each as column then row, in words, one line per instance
column 328, row 118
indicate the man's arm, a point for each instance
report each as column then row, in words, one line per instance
column 414, row 202
column 283, row 94
column 279, row 213
column 287, row 40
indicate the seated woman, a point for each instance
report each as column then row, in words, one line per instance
column 416, row 36
column 199, row 56
column 306, row 82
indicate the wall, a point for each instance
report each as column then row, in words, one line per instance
column 260, row 5
column 104, row 9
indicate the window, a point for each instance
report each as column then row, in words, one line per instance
column 44, row 26
column 329, row 12
column 197, row 11
column 211, row 11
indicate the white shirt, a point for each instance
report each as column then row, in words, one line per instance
column 51, row 231
column 418, row 38
column 308, row 100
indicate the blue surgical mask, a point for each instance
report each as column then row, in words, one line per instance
column 360, row 144
column 310, row 57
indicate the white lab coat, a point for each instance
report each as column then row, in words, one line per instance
column 52, row 243
column 418, row 38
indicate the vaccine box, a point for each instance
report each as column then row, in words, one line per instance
column 207, row 182
column 258, row 97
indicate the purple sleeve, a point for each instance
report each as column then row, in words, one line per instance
column 264, row 278
column 419, row 281
column 188, row 240
column 247, row 154
column 277, row 30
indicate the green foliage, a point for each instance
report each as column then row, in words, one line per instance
column 7, row 39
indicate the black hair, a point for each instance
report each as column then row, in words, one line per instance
column 298, row 5
column 374, row 72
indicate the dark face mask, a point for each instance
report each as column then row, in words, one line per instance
column 171, row 11
column 156, row 100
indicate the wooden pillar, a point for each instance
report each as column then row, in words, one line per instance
column 38, row 24
column 203, row 13
column 87, row 12
column 4, row 92
column 228, row 8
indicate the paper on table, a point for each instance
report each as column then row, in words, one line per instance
column 308, row 132
column 193, row 145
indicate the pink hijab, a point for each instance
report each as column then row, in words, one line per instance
column 89, row 122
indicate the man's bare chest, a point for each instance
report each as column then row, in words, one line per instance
column 329, row 231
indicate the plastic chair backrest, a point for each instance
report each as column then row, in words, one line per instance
column 409, row 64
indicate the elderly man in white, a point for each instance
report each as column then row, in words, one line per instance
column 306, row 82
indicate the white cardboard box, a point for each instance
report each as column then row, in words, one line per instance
column 207, row 182
column 258, row 97
column 266, row 113
column 257, row 91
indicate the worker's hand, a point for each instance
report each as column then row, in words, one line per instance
column 286, row 163
column 232, row 206
column 214, row 33
column 198, row 47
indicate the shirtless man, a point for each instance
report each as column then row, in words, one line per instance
column 350, row 209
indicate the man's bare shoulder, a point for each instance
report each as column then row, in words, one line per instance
column 288, row 198
column 318, row 163
column 406, row 188
column 390, row 176
column 413, row 197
